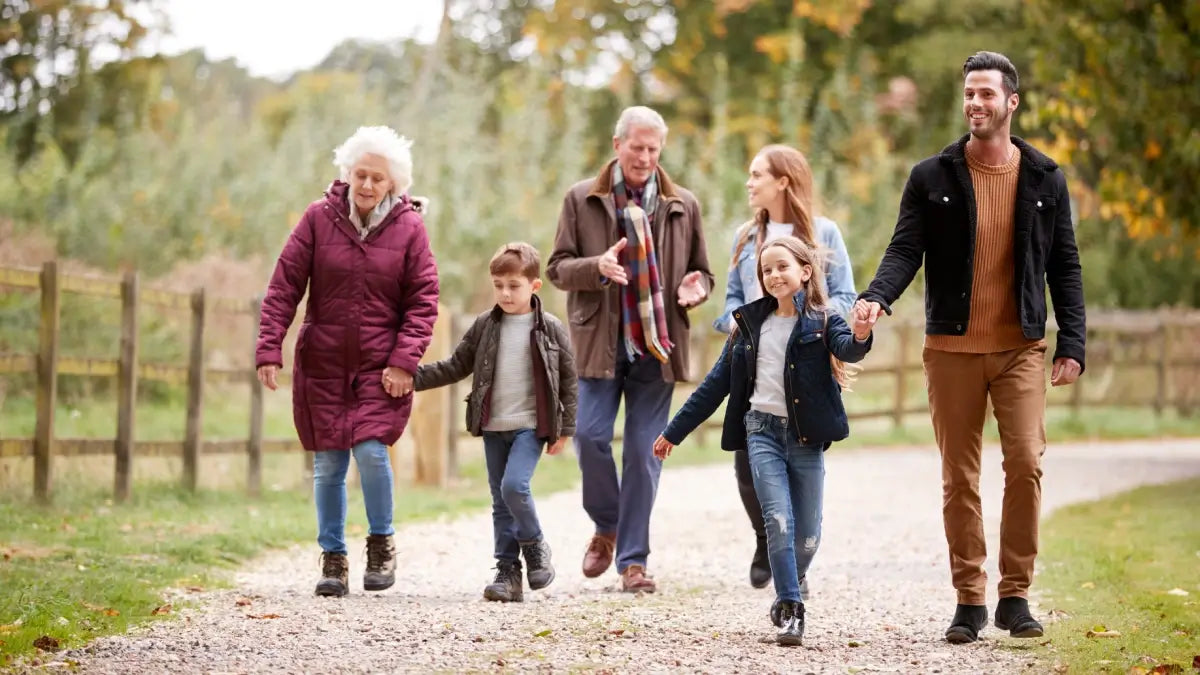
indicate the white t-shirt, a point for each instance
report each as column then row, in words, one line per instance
column 769, row 394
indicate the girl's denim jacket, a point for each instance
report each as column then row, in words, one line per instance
column 839, row 275
column 815, row 411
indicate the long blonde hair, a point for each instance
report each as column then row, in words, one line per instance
column 784, row 161
column 816, row 301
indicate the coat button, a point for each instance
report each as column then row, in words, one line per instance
column 795, row 400
column 1039, row 204
column 804, row 440
column 792, row 366
column 963, row 295
column 947, row 199
column 958, row 327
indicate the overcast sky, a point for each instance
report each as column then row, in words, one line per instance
column 276, row 37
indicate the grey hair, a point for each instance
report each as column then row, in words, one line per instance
column 382, row 141
column 640, row 116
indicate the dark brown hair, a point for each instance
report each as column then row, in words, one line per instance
column 994, row 61
column 516, row 258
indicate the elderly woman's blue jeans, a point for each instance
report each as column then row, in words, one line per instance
column 329, row 492
column 789, row 479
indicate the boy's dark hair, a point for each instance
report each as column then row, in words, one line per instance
column 516, row 258
column 994, row 61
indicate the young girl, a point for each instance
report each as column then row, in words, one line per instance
column 783, row 369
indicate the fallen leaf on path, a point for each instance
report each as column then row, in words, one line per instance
column 161, row 609
column 854, row 643
column 195, row 589
column 543, row 633
column 617, row 631
column 264, row 616
column 242, row 601
column 46, row 643
column 1103, row 634
column 1177, row 591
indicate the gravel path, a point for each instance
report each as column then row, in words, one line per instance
column 881, row 591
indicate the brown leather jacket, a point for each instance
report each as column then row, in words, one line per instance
column 554, row 385
column 587, row 227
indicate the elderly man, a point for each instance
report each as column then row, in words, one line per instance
column 630, row 253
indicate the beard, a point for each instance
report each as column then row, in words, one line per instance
column 993, row 125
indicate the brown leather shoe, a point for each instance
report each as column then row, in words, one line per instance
column 599, row 555
column 635, row 580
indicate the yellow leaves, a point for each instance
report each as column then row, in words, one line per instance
column 1127, row 198
column 1153, row 150
column 775, row 46
column 840, row 17
column 726, row 7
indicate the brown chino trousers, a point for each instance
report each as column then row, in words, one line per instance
column 959, row 385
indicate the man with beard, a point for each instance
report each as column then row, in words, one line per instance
column 991, row 218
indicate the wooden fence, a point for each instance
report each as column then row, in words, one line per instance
column 1163, row 345
column 128, row 370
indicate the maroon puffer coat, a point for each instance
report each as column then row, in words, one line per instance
column 371, row 304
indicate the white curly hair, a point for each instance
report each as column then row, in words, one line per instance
column 382, row 141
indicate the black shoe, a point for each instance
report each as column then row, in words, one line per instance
column 791, row 633
column 760, row 565
column 381, row 563
column 1012, row 615
column 537, row 563
column 335, row 575
column 508, row 585
column 968, row 621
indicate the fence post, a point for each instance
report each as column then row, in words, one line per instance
column 1164, row 352
column 254, row 445
column 430, row 421
column 901, row 374
column 47, row 381
column 195, row 394
column 126, row 386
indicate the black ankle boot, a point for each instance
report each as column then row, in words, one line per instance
column 537, row 563
column 508, row 585
column 1012, row 615
column 760, row 565
column 791, row 632
column 968, row 621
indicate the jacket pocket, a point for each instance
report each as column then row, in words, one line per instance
column 583, row 306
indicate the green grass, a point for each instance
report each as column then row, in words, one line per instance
column 1109, row 565
column 84, row 567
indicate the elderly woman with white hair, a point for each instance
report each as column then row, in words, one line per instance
column 362, row 254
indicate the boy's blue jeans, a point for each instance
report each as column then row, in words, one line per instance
column 789, row 479
column 329, row 492
column 511, row 458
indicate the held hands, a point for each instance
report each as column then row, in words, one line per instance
column 397, row 382
column 557, row 446
column 1066, row 371
column 862, row 327
column 269, row 375
column 691, row 290
column 610, row 266
column 868, row 312
column 662, row 447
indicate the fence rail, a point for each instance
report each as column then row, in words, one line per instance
column 1164, row 344
column 48, row 364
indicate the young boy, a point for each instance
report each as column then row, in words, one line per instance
column 522, row 395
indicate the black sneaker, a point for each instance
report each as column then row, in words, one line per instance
column 335, row 575
column 760, row 565
column 381, row 562
column 968, row 621
column 1012, row 615
column 791, row 632
column 508, row 585
column 537, row 563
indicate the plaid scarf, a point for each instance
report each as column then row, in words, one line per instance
column 642, row 314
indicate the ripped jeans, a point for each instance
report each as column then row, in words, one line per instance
column 789, row 479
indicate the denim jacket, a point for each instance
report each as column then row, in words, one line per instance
column 839, row 275
column 815, row 411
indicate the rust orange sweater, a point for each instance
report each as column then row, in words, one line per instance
column 994, row 325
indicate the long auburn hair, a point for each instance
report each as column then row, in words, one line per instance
column 816, row 301
column 783, row 161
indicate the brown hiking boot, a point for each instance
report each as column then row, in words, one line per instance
column 635, row 580
column 381, row 562
column 599, row 554
column 335, row 575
